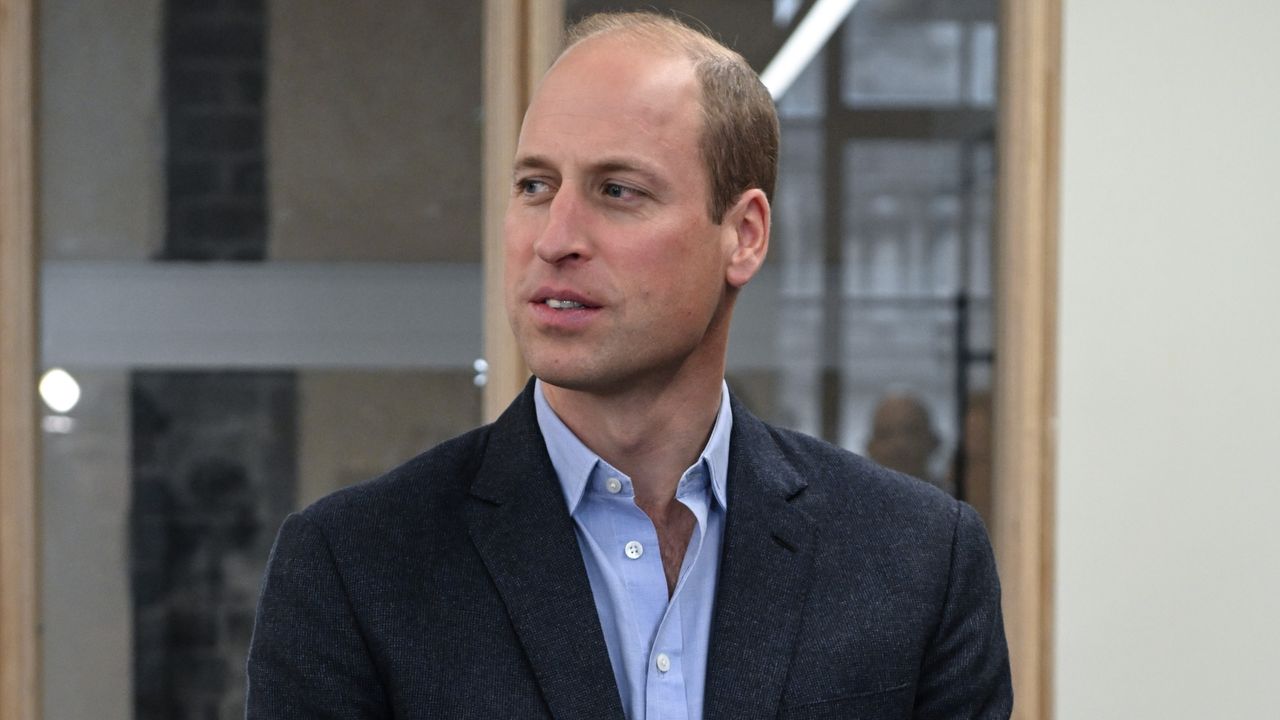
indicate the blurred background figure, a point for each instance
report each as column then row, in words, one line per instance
column 903, row 437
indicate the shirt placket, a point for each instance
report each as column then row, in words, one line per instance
column 664, row 679
column 665, row 687
column 637, row 562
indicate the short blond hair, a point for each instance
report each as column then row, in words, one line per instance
column 739, row 142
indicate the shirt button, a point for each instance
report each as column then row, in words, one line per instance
column 634, row 550
column 614, row 485
column 663, row 662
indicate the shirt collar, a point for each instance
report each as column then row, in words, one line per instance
column 573, row 461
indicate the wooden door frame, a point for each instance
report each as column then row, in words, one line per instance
column 520, row 39
column 1026, row 341
column 19, row 448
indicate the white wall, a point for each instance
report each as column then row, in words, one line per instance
column 1168, row 534
column 101, row 130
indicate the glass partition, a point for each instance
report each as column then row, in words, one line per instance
column 261, row 282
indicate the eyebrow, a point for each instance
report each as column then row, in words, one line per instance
column 531, row 162
column 606, row 165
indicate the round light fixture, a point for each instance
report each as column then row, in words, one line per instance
column 59, row 390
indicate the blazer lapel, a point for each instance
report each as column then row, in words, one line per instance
column 522, row 530
column 765, row 573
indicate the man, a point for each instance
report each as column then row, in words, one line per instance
column 903, row 438
column 627, row 540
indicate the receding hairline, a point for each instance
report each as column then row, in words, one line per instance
column 671, row 33
column 738, row 140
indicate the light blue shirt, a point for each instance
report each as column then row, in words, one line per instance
column 658, row 649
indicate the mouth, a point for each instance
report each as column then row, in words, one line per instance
column 559, row 311
column 563, row 300
column 558, row 304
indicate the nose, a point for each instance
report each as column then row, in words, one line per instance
column 565, row 236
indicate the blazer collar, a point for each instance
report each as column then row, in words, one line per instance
column 523, row 533
column 768, row 543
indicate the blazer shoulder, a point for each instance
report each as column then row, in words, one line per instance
column 839, row 474
column 441, row 473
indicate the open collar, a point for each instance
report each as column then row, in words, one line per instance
column 574, row 461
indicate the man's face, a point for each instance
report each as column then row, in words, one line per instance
column 615, row 273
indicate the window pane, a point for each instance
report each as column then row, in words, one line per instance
column 901, row 61
column 261, row 271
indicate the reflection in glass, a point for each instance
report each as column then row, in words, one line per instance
column 894, row 162
column 59, row 390
column 259, row 221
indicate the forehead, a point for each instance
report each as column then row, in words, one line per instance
column 615, row 94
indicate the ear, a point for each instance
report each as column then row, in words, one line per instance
column 746, row 236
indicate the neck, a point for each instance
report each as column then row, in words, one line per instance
column 651, row 434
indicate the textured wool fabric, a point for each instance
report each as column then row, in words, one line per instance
column 453, row 587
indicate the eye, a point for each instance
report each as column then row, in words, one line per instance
column 620, row 192
column 531, row 186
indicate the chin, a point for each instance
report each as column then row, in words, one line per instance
column 565, row 377
column 555, row 368
column 576, row 375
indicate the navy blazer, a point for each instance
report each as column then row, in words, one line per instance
column 453, row 587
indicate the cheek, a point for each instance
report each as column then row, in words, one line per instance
column 683, row 287
column 518, row 232
column 514, row 246
column 700, row 269
column 515, row 260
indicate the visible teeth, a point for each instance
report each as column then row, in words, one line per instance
column 563, row 304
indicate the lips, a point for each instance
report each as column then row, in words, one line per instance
column 560, row 311
column 560, row 299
